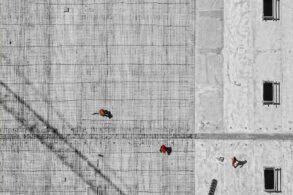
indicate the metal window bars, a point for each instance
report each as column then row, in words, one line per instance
column 274, row 13
column 277, row 180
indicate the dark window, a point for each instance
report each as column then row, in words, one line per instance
column 268, row 8
column 271, row 9
column 268, row 91
column 271, row 93
column 272, row 178
column 269, row 179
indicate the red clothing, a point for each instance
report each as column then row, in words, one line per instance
column 163, row 149
column 234, row 161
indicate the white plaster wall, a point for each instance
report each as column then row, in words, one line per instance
column 254, row 51
column 209, row 66
column 250, row 178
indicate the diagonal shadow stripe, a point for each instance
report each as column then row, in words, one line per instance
column 62, row 149
column 119, row 180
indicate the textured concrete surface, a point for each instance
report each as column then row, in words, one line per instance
column 209, row 66
column 185, row 73
column 256, row 51
column 250, row 178
column 135, row 58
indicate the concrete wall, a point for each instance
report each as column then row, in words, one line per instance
column 250, row 178
column 209, row 66
column 255, row 51
column 167, row 70
column 135, row 58
column 252, row 51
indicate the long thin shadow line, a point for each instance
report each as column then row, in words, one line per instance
column 61, row 116
column 46, row 100
column 51, row 146
column 32, row 130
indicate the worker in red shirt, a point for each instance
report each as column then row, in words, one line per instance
column 165, row 149
column 234, row 162
column 104, row 113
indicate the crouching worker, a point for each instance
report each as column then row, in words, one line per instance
column 165, row 149
column 104, row 113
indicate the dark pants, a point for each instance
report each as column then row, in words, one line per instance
column 169, row 150
column 108, row 114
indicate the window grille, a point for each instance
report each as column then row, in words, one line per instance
column 271, row 93
column 272, row 178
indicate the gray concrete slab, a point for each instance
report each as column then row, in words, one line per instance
column 184, row 73
column 67, row 59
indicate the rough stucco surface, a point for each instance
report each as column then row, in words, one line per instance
column 238, row 66
column 209, row 66
column 135, row 58
column 256, row 51
column 250, row 178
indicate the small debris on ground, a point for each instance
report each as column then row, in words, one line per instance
column 221, row 159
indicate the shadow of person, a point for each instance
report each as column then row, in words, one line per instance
column 241, row 163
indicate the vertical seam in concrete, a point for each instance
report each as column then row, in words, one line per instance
column 194, row 87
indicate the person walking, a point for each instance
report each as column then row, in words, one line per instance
column 104, row 113
column 165, row 149
column 236, row 163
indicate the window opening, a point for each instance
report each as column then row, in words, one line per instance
column 271, row 9
column 272, row 178
column 271, row 93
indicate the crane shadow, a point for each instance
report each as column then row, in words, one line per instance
column 63, row 120
column 59, row 145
